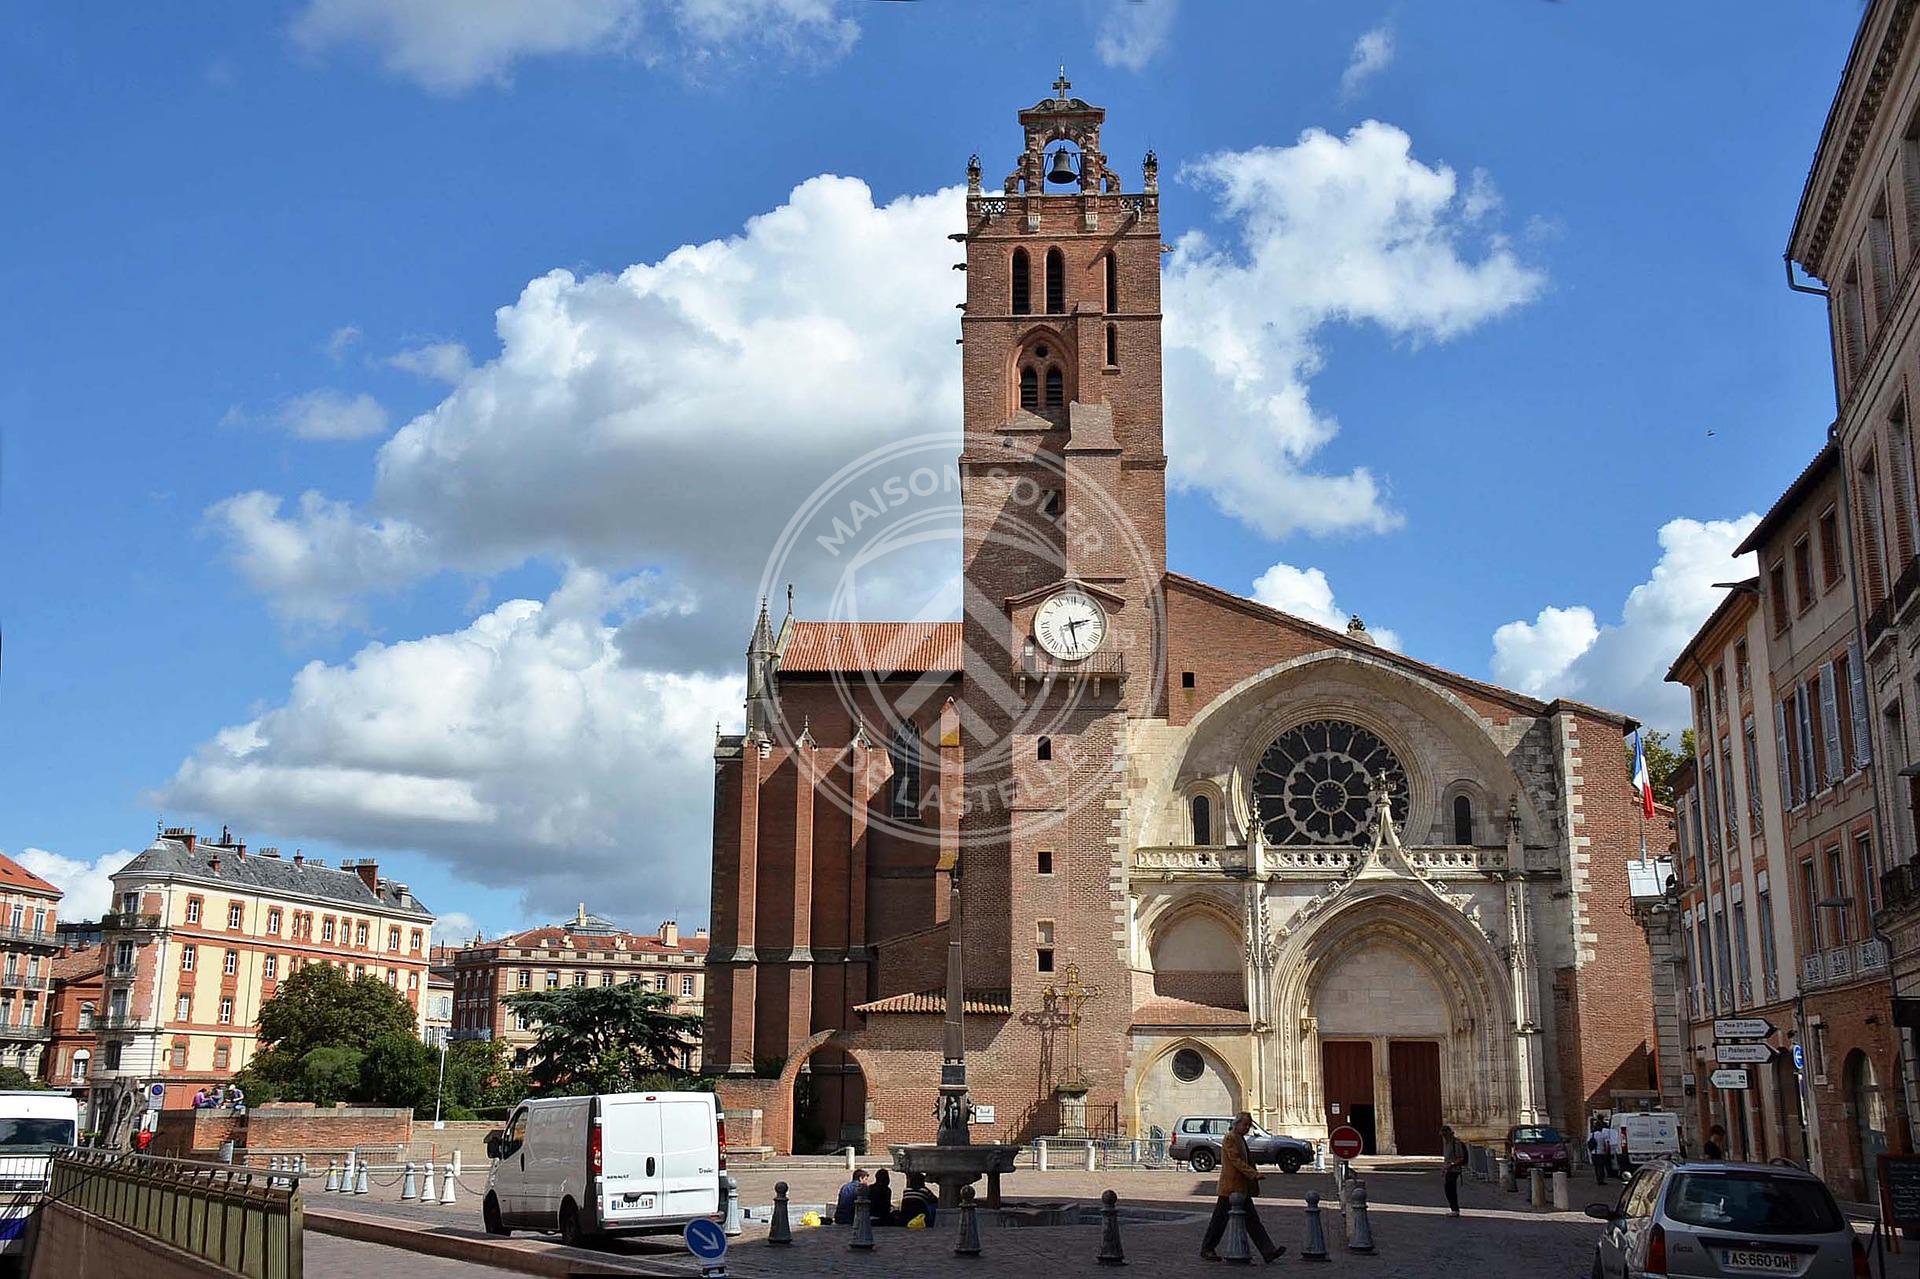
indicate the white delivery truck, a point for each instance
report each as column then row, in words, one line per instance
column 1644, row 1136
column 32, row 1125
column 618, row 1162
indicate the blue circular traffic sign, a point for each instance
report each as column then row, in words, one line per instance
column 1799, row 1057
column 706, row 1240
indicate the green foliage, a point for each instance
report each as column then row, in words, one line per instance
column 320, row 1006
column 327, row 1075
column 14, row 1079
column 1662, row 760
column 593, row 1039
column 479, row 1076
column 398, row 1070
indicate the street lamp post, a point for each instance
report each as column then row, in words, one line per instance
column 440, row 1086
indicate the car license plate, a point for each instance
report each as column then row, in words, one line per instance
column 1773, row 1263
column 634, row 1200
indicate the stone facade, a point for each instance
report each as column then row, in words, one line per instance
column 1179, row 890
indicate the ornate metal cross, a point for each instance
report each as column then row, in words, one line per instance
column 1061, row 85
column 1068, row 1001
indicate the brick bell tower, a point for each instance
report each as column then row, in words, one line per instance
column 1064, row 499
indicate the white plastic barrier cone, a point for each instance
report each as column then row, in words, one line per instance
column 428, row 1192
column 446, row 1185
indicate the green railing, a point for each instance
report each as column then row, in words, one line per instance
column 247, row 1221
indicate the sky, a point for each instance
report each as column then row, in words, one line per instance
column 402, row 396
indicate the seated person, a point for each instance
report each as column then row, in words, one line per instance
column 843, row 1206
column 881, row 1199
column 917, row 1201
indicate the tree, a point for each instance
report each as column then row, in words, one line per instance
column 398, row 1070
column 14, row 1079
column 480, row 1075
column 1662, row 760
column 329, row 1074
column 320, row 1006
column 604, row 1038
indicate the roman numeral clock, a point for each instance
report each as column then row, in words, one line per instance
column 1070, row 626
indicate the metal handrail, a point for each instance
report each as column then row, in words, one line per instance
column 29, row 937
column 128, row 919
column 245, row 1220
column 22, row 981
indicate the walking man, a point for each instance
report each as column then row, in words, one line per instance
column 1453, row 1153
column 1605, row 1145
column 1237, row 1176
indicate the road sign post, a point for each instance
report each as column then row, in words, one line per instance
column 1733, row 1079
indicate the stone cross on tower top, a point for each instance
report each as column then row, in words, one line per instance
column 1061, row 85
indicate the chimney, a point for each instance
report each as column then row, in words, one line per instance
column 369, row 872
column 699, row 932
column 670, row 933
column 299, row 858
column 214, row 864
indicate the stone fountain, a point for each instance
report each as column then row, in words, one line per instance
column 951, row 1160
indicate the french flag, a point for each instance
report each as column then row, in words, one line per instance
column 1642, row 780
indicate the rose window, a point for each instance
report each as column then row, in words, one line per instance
column 1312, row 785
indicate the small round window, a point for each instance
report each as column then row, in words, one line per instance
column 1040, row 352
column 1188, row 1065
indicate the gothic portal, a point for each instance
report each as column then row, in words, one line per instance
column 1285, row 869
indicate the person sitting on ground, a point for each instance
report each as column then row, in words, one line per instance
column 843, row 1206
column 881, row 1199
column 917, row 1201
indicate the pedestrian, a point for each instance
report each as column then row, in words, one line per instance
column 1453, row 1152
column 142, row 1139
column 843, row 1206
column 237, row 1099
column 1237, row 1176
column 917, row 1201
column 1716, row 1147
column 1603, row 1155
column 881, row 1199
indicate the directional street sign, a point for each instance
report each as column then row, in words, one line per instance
column 1744, row 1054
column 705, row 1239
column 1742, row 1028
column 1729, row 1078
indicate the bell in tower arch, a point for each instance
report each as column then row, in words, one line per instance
column 1062, row 173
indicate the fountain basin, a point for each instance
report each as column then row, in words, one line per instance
column 951, row 1167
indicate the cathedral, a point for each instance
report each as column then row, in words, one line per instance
column 1201, row 855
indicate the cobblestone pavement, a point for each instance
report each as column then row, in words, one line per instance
column 1414, row 1235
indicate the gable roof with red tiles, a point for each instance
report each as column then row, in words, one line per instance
column 17, row 878
column 885, row 648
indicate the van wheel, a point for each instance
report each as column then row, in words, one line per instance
column 572, row 1233
column 1289, row 1163
column 1203, row 1161
column 490, row 1217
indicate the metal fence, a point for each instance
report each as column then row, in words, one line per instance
column 246, row 1220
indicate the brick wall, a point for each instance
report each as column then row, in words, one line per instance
column 304, row 1126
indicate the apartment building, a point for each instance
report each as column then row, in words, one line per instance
column 29, row 907
column 1735, row 934
column 586, row 950
column 204, row 931
column 78, row 976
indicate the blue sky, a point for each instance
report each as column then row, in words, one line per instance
column 257, row 252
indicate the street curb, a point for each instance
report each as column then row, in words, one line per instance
column 551, row 1260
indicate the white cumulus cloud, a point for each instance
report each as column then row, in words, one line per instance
column 1331, row 230
column 1564, row 652
column 1132, row 33
column 437, row 361
column 1305, row 592
column 450, row 46
column 87, row 887
column 454, row 927
column 522, row 750
column 331, row 415
column 317, row 565
column 1372, row 53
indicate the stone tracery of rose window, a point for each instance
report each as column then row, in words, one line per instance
column 1311, row 786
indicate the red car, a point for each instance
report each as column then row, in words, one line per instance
column 1538, row 1146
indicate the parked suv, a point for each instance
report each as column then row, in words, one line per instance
column 1715, row 1220
column 1197, row 1140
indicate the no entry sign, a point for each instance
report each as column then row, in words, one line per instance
column 1344, row 1142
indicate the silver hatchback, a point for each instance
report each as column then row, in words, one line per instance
column 1720, row 1220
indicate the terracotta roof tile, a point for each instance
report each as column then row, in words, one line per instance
column 935, row 1001
column 15, row 876
column 1162, row 1011
column 74, row 965
column 559, row 937
column 883, row 647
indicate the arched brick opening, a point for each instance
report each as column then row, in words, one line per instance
column 822, row 1094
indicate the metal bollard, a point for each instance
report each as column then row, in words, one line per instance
column 360, row 1185
column 429, row 1193
column 1316, row 1249
column 968, row 1245
column 1093, row 1155
column 1537, row 1187
column 781, row 1231
column 850, row 1157
column 446, row 1184
column 1133, row 1152
column 1507, row 1182
column 1360, row 1238
column 1235, row 1247
column 1562, row 1194
column 732, row 1224
column 333, row 1178
column 346, row 1178
column 1040, row 1153
column 408, row 1190
column 1110, row 1254
column 300, row 1163
column 862, row 1221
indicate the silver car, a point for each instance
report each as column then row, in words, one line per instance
column 1726, row 1221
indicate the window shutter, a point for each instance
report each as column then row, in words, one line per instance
column 1803, row 706
column 1780, row 750
column 1830, row 722
column 1862, row 724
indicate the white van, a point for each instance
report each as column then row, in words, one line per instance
column 591, row 1166
column 29, row 1122
column 1646, row 1135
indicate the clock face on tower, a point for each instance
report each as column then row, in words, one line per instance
column 1070, row 625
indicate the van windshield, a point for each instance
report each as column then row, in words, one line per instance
column 1756, row 1202
column 36, row 1132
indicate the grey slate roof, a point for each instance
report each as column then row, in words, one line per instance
column 267, row 874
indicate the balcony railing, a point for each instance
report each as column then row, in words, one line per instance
column 1842, row 963
column 30, row 937
column 128, row 920
column 1746, row 992
column 121, row 971
column 1870, row 955
column 22, row 981
column 1216, row 860
column 1772, row 986
column 24, row 1030
column 111, row 1020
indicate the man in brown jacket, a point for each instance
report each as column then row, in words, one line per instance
column 1237, row 1176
